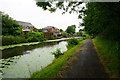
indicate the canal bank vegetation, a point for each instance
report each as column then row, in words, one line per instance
column 32, row 37
column 12, row 33
column 52, row 69
column 57, row 53
column 109, row 53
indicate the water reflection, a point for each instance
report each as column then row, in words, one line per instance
column 20, row 62
column 20, row 50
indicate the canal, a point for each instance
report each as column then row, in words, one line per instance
column 22, row 61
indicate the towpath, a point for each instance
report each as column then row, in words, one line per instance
column 84, row 64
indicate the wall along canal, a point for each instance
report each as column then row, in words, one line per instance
column 21, row 62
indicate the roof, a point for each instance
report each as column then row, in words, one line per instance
column 24, row 23
column 48, row 27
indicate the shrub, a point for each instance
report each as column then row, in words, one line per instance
column 32, row 39
column 9, row 40
column 72, row 42
column 35, row 36
column 23, row 40
column 84, row 35
column 79, row 33
column 57, row 53
column 52, row 37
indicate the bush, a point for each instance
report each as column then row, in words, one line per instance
column 57, row 53
column 23, row 40
column 33, row 39
column 35, row 36
column 84, row 35
column 52, row 37
column 9, row 40
column 79, row 33
column 72, row 42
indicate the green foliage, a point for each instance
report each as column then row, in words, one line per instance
column 103, row 19
column 82, row 24
column 57, row 53
column 71, row 7
column 52, row 37
column 37, row 30
column 61, row 30
column 9, row 40
column 44, row 5
column 72, row 42
column 79, row 33
column 64, row 34
column 9, row 26
column 32, row 37
column 40, row 30
column 71, row 29
column 35, row 36
column 110, row 55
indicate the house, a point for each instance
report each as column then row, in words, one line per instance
column 51, row 31
column 26, row 27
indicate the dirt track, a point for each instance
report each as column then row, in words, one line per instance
column 84, row 64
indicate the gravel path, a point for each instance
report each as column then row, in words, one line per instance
column 84, row 64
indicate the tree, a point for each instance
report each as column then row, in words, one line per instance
column 53, row 6
column 9, row 26
column 103, row 19
column 40, row 30
column 35, row 29
column 61, row 30
column 71, row 29
column 100, row 18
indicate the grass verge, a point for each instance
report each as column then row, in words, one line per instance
column 109, row 54
column 52, row 69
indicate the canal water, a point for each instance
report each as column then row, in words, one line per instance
column 21, row 62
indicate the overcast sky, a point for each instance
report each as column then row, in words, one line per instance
column 27, row 11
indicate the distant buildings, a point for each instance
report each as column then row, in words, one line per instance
column 26, row 26
column 51, row 31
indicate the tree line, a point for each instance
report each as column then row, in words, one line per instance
column 99, row 18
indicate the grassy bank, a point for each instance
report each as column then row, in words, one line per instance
column 109, row 54
column 52, row 69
